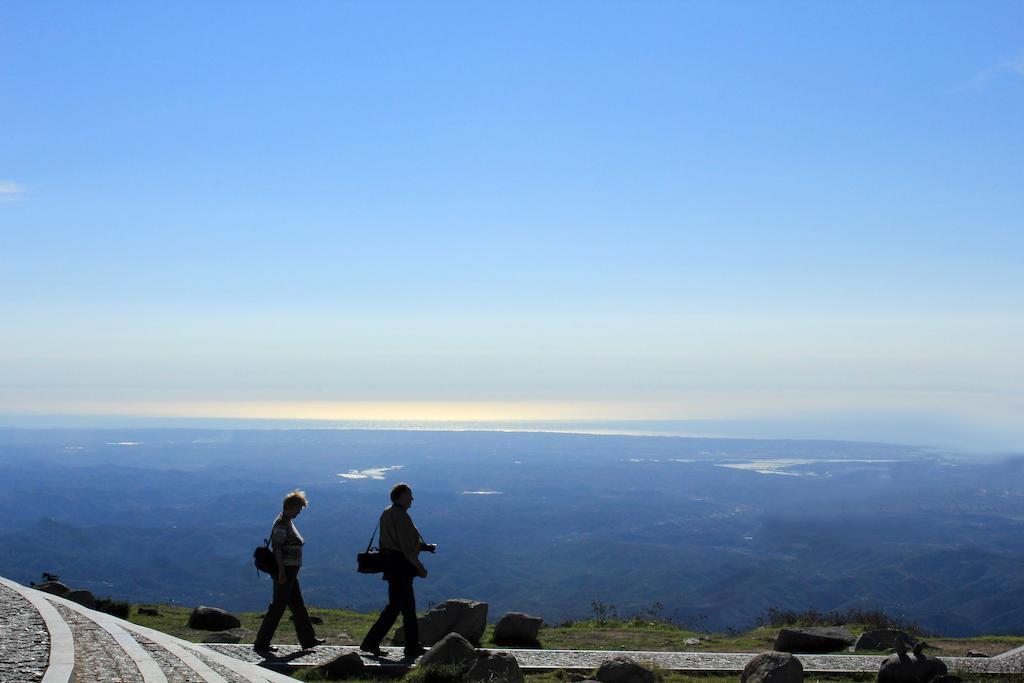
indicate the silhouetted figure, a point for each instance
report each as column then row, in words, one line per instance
column 400, row 544
column 287, row 542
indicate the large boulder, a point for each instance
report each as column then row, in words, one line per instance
column 904, row 668
column 773, row 667
column 496, row 667
column 348, row 665
column 205, row 618
column 468, row 618
column 52, row 587
column 623, row 670
column 813, row 640
column 82, row 597
column 883, row 639
column 233, row 635
column 452, row 650
column 517, row 629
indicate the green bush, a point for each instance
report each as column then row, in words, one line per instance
column 868, row 619
column 118, row 608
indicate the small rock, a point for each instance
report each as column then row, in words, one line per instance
column 883, row 639
column 212, row 619
column 349, row 665
column 623, row 670
column 972, row 653
column 312, row 619
column 517, row 630
column 453, row 649
column 148, row 612
column 499, row 667
column 83, row 598
column 233, row 635
column 691, row 641
column 773, row 667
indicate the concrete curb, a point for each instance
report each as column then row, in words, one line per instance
column 148, row 667
column 251, row 671
column 187, row 658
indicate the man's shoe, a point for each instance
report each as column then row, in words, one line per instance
column 314, row 643
column 413, row 653
column 264, row 649
column 372, row 649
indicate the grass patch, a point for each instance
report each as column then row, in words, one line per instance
column 614, row 634
column 339, row 627
column 436, row 673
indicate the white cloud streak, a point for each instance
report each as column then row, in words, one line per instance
column 1011, row 67
column 10, row 190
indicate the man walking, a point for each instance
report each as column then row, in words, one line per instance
column 400, row 544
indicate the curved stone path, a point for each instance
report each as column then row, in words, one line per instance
column 82, row 645
column 24, row 640
column 49, row 639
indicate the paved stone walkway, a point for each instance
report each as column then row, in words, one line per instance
column 24, row 640
column 49, row 639
column 588, row 660
column 44, row 638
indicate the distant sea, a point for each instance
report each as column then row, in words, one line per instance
column 926, row 432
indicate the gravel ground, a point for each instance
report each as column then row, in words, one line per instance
column 98, row 657
column 174, row 669
column 24, row 640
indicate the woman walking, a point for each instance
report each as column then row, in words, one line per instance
column 287, row 543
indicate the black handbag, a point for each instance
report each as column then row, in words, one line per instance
column 263, row 558
column 372, row 561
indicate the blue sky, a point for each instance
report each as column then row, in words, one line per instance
column 514, row 210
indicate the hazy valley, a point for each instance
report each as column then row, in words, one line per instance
column 716, row 531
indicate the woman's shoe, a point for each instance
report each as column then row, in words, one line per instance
column 316, row 641
column 372, row 649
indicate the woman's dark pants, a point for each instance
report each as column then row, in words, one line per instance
column 401, row 600
column 287, row 594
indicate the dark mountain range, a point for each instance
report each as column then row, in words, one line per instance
column 715, row 530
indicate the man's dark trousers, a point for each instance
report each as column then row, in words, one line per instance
column 287, row 594
column 401, row 600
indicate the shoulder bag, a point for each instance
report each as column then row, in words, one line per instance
column 371, row 561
